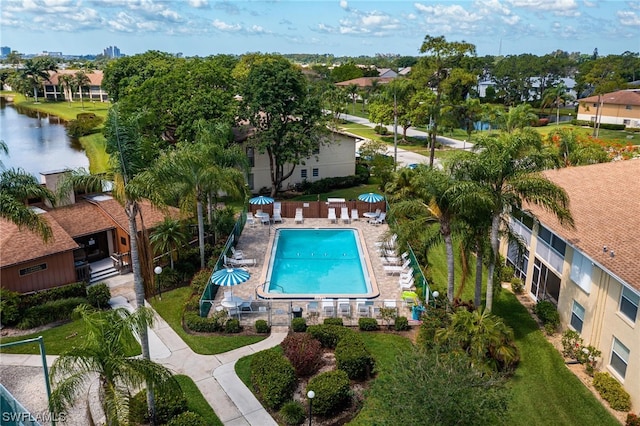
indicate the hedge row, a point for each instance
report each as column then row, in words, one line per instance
column 612, row 391
column 65, row 292
column 328, row 335
column 333, row 392
column 273, row 376
column 56, row 310
column 608, row 126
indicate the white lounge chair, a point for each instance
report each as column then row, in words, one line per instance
column 312, row 308
column 394, row 260
column 354, row 214
column 389, row 244
column 328, row 308
column 277, row 217
column 392, row 269
column 245, row 305
column 407, row 285
column 277, row 205
column 344, row 307
column 389, row 303
column 264, row 218
column 344, row 215
column 299, row 218
column 239, row 262
column 375, row 215
column 380, row 219
column 332, row 215
column 363, row 307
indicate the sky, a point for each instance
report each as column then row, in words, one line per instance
column 335, row 27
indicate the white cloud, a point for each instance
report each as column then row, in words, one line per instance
column 557, row 7
column 441, row 14
column 199, row 4
column 633, row 5
column 123, row 23
column 344, row 4
column 257, row 29
column 223, row 26
column 628, row 18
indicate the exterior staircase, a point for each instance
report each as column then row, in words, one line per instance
column 102, row 270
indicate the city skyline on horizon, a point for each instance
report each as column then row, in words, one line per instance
column 338, row 27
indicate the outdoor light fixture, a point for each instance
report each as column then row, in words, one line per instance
column 158, row 271
column 612, row 253
column 435, row 295
column 604, row 249
column 311, row 394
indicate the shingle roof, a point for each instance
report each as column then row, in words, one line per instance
column 95, row 77
column 621, row 97
column 81, row 218
column 365, row 81
column 21, row 245
column 152, row 216
column 605, row 204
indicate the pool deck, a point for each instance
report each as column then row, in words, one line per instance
column 255, row 244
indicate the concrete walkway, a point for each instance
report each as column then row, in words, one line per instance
column 232, row 401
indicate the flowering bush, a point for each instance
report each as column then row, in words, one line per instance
column 571, row 343
column 588, row 356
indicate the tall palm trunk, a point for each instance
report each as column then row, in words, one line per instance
column 200, row 231
column 448, row 242
column 495, row 225
column 477, row 299
column 131, row 208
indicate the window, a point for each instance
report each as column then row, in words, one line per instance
column 303, row 173
column 581, row 271
column 626, row 122
column 123, row 241
column 577, row 316
column 629, row 302
column 251, row 155
column 315, row 172
column 250, row 181
column 33, row 269
column 629, row 107
column 619, row 358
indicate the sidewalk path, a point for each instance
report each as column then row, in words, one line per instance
column 232, row 401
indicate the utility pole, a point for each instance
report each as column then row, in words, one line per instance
column 395, row 131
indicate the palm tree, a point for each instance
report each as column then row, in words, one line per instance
column 556, row 96
column 5, row 149
column 168, row 237
column 104, row 352
column 505, row 173
column 16, row 187
column 81, row 80
column 194, row 170
column 35, row 71
column 66, row 82
column 352, row 90
column 128, row 158
column 517, row 117
column 433, row 203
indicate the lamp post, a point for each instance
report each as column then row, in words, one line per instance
column 435, row 296
column 158, row 271
column 311, row 394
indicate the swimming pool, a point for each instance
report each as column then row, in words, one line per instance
column 316, row 262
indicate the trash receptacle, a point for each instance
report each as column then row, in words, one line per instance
column 297, row 312
column 416, row 312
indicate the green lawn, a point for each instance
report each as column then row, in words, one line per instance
column 170, row 309
column 56, row 340
column 347, row 193
column 196, row 402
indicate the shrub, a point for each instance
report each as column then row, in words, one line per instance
column 85, row 124
column 9, row 306
column 57, row 293
column 99, row 295
column 232, row 326
column 168, row 406
column 194, row 322
column 187, row 418
column 571, row 344
column 56, row 310
column 262, row 326
column 292, row 413
column 612, row 391
column 327, row 335
column 516, row 285
column 381, row 130
column 332, row 392
column 333, row 321
column 353, row 357
column 433, row 319
column 169, row 279
column 388, row 314
column 304, row 352
column 506, row 273
column 632, row 420
column 273, row 377
column 299, row 325
column 547, row 313
column 588, row 356
column 199, row 281
column 401, row 324
column 368, row 324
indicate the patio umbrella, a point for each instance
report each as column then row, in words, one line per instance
column 229, row 277
column 261, row 200
column 370, row 197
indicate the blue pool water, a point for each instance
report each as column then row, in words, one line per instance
column 317, row 262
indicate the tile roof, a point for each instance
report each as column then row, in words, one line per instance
column 365, row 81
column 152, row 216
column 22, row 245
column 605, row 204
column 95, row 77
column 621, row 97
column 81, row 218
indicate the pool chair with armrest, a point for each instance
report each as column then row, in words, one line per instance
column 389, row 244
column 236, row 254
column 328, row 307
column 364, row 307
column 332, row 215
column 407, row 285
column 391, row 304
column 354, row 215
column 380, row 219
column 245, row 305
column 392, row 269
column 344, row 215
column 395, row 260
column 312, row 308
column 299, row 218
column 251, row 220
column 344, row 307
column 264, row 218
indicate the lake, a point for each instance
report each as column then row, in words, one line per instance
column 37, row 142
